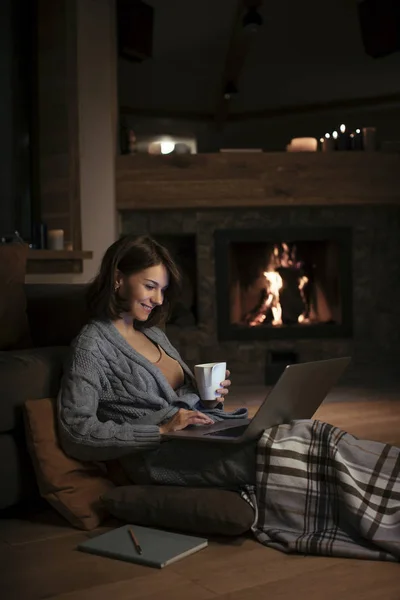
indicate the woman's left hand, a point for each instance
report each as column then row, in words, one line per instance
column 223, row 390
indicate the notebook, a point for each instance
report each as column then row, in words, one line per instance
column 159, row 548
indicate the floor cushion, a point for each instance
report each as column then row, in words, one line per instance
column 206, row 511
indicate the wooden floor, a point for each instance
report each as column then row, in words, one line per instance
column 38, row 560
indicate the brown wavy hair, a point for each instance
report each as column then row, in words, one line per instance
column 130, row 255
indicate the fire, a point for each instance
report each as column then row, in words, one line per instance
column 282, row 257
column 274, row 284
column 302, row 283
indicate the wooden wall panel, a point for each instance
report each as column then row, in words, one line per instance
column 57, row 107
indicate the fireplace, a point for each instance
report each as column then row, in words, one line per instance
column 283, row 283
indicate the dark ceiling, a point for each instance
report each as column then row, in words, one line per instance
column 306, row 52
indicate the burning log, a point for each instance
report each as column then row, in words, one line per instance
column 290, row 296
column 257, row 314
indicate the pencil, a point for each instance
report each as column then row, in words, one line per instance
column 135, row 542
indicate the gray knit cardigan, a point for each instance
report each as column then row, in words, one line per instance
column 112, row 399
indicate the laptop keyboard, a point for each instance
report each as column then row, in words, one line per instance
column 232, row 432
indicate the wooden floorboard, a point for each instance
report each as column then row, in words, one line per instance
column 238, row 569
column 378, row 421
column 331, row 579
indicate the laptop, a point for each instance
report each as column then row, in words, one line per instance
column 297, row 395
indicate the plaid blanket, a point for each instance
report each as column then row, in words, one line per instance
column 322, row 491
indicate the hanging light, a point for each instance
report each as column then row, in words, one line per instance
column 252, row 20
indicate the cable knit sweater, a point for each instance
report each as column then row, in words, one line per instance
column 112, row 401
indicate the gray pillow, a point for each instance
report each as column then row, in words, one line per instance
column 206, row 511
column 27, row 374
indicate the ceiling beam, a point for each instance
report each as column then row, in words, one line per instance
column 240, row 43
column 373, row 102
column 383, row 101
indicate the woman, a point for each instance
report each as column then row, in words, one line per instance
column 126, row 385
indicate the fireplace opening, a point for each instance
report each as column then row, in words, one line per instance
column 183, row 250
column 275, row 284
column 283, row 284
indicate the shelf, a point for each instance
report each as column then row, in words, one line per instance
column 259, row 179
column 56, row 261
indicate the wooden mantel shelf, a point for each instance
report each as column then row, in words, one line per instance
column 56, row 261
column 208, row 181
column 59, row 254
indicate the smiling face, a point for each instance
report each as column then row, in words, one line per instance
column 144, row 290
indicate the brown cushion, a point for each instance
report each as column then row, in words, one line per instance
column 14, row 328
column 207, row 511
column 72, row 487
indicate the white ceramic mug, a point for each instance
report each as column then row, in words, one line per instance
column 208, row 378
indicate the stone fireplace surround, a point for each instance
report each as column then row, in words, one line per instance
column 375, row 256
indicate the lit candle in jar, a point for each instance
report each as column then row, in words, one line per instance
column 335, row 136
column 328, row 143
column 343, row 139
column 356, row 140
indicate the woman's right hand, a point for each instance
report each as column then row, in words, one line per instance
column 183, row 418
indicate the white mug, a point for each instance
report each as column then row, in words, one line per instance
column 209, row 377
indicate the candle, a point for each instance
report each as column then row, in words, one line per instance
column 55, row 239
column 356, row 140
column 328, row 143
column 369, row 139
column 343, row 139
column 335, row 136
column 39, row 236
column 302, row 145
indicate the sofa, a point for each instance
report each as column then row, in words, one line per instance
column 55, row 314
